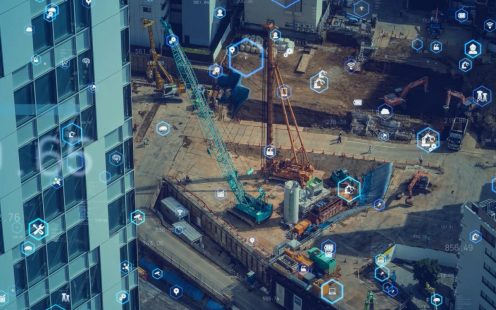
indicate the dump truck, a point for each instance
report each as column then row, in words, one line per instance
column 457, row 133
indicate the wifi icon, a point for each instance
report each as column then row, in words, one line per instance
column 489, row 25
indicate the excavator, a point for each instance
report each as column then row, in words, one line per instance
column 420, row 180
column 155, row 69
column 393, row 99
column 467, row 101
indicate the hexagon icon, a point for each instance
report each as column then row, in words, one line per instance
column 349, row 189
column 493, row 185
column 385, row 111
column 220, row 194
column 489, row 25
column 163, row 128
column 275, row 35
column 393, row 291
column 138, row 217
column 157, row 273
column 428, row 140
column 379, row 204
column 461, row 15
column 436, row 47
column 176, row 292
column 381, row 274
column 27, row 248
column 72, row 134
column 284, row 91
column 36, row 60
column 381, row 260
column 270, row 151
column 4, row 298
column 51, row 12
column 215, row 71
column 436, row 300
column 172, row 40
column 122, row 297
column 88, row 3
column 38, row 229
column 332, row 291
column 220, row 12
column 285, row 3
column 417, row 44
column 361, row 8
column 115, row 159
column 248, row 45
column 56, row 307
column 126, row 267
column 465, row 65
column 328, row 247
column 475, row 236
column 104, row 176
column 472, row 49
column 319, row 83
column 482, row 96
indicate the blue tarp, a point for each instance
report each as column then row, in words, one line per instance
column 238, row 98
column 212, row 305
column 375, row 183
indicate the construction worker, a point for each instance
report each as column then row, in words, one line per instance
column 340, row 140
column 370, row 149
column 421, row 160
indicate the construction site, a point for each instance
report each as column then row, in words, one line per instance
column 287, row 167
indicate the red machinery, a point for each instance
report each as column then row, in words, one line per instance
column 468, row 101
column 394, row 100
column 419, row 180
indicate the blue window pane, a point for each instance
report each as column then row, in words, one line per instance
column 56, row 297
column 130, row 203
column 1, row 60
column 82, row 15
column 115, row 170
column 132, row 255
column 85, row 62
column 78, row 240
column 128, row 155
column 88, row 122
column 80, row 289
column 24, row 104
column 28, row 160
column 96, row 280
column 63, row 25
column 42, row 305
column 58, row 253
column 45, row 92
column 33, row 209
column 43, row 38
column 77, row 185
column 116, row 215
column 37, row 266
column 49, row 148
column 125, row 46
column 21, row 282
column 53, row 200
column 127, row 101
column 67, row 80
column 66, row 147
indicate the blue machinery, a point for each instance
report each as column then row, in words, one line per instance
column 255, row 207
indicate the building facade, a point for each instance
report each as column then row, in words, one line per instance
column 476, row 277
column 66, row 156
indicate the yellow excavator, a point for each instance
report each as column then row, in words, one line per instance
column 155, row 69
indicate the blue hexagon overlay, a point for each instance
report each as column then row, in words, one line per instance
column 163, row 128
column 482, row 96
column 38, row 229
column 284, row 91
column 75, row 161
column 172, row 40
column 56, row 307
column 337, row 298
column 176, row 292
column 328, row 247
column 385, row 111
column 461, row 15
column 138, row 217
column 287, row 4
column 436, row 47
column 393, row 291
column 88, row 3
column 465, row 65
column 115, row 159
column 220, row 12
column 436, row 300
column 475, row 236
column 275, row 35
column 381, row 274
column 270, row 151
column 493, row 185
column 489, row 25
column 126, row 267
column 319, row 83
column 261, row 54
column 417, row 44
column 51, row 12
column 72, row 134
column 379, row 204
column 350, row 65
column 157, row 273
column 472, row 49
column 122, row 297
column 381, row 260
column 27, row 248
column 215, row 71
column 361, row 8
column 428, row 140
column 351, row 191
column 105, row 176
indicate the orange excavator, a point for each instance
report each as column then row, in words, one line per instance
column 420, row 180
column 393, row 99
column 467, row 101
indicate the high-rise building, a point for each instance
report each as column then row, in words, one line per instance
column 66, row 156
column 476, row 276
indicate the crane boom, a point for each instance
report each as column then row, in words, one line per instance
column 256, row 208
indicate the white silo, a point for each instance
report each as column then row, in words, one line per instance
column 291, row 202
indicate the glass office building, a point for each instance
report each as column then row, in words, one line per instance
column 66, row 156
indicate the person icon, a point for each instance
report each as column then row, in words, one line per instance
column 220, row 13
column 275, row 35
column 473, row 49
